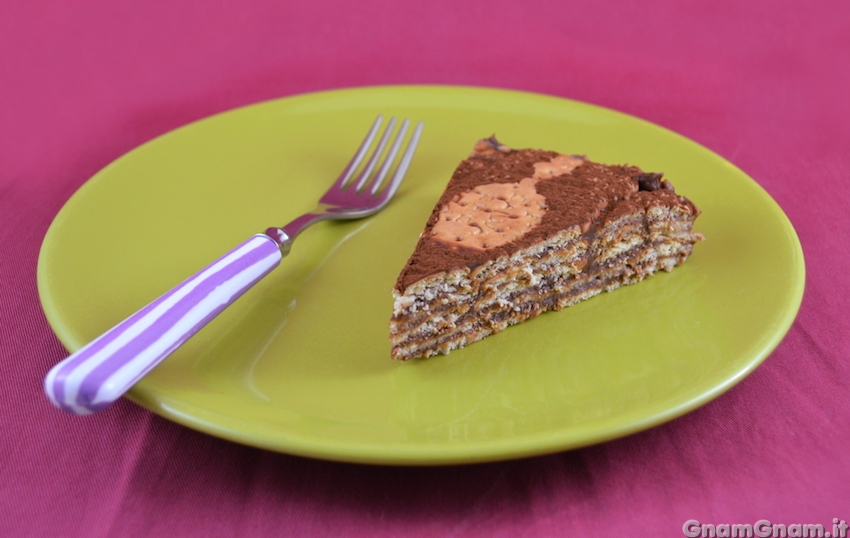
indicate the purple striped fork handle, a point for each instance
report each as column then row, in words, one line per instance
column 102, row 371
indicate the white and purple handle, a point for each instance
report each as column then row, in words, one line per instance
column 102, row 371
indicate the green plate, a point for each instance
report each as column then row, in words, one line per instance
column 301, row 364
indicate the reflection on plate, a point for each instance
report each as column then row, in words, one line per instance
column 301, row 363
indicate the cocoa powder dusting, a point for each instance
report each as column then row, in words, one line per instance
column 588, row 196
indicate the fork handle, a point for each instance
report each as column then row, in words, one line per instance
column 102, row 371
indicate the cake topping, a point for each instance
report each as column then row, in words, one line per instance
column 649, row 182
column 490, row 215
column 494, row 214
column 571, row 192
column 560, row 164
column 489, row 147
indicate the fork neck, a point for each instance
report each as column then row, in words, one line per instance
column 286, row 235
column 283, row 240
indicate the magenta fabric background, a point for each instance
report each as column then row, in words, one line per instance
column 765, row 84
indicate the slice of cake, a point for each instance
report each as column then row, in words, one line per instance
column 520, row 232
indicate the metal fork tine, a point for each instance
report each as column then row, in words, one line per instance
column 373, row 160
column 388, row 161
column 361, row 152
column 404, row 163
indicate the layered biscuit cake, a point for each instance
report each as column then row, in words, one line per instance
column 520, row 232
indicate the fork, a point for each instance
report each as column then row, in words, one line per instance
column 103, row 370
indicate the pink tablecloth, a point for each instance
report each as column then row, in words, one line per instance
column 766, row 84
